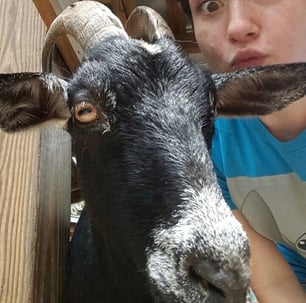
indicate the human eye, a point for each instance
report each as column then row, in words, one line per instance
column 211, row 6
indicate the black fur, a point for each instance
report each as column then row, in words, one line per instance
column 155, row 227
column 159, row 123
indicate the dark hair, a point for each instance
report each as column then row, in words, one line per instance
column 185, row 7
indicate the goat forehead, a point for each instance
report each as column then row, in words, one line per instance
column 134, row 72
column 118, row 58
column 117, row 49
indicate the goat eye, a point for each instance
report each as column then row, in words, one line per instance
column 85, row 112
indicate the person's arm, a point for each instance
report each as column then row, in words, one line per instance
column 272, row 278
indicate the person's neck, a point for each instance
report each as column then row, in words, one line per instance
column 288, row 123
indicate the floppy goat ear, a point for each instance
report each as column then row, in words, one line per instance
column 27, row 99
column 259, row 90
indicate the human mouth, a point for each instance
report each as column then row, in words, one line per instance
column 247, row 58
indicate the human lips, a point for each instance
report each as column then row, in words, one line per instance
column 247, row 58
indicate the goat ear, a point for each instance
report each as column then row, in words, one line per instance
column 259, row 90
column 31, row 98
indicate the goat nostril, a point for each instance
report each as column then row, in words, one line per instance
column 205, row 284
column 196, row 277
column 196, row 271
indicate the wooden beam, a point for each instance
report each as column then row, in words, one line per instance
column 35, row 203
column 34, row 179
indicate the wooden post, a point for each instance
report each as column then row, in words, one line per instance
column 34, row 179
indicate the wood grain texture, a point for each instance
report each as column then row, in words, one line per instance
column 34, row 178
column 22, row 35
column 34, row 214
column 18, row 186
column 53, row 209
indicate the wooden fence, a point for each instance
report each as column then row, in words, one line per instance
column 34, row 178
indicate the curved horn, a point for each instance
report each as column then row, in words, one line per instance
column 87, row 21
column 145, row 23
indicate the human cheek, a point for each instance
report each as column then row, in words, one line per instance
column 212, row 52
column 285, row 48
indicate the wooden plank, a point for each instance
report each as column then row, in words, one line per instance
column 178, row 22
column 20, row 50
column 34, row 179
column 34, row 214
column 122, row 9
column 53, row 207
column 18, row 184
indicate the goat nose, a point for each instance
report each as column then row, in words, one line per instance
column 199, row 272
column 216, row 283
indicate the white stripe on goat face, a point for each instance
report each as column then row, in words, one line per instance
column 153, row 49
column 205, row 228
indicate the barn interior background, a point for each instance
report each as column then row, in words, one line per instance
column 37, row 184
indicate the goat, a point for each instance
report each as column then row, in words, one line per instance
column 155, row 227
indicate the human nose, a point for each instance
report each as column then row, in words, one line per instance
column 242, row 23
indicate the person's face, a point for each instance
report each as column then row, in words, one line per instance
column 234, row 34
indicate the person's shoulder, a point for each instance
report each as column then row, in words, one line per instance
column 233, row 134
column 234, row 125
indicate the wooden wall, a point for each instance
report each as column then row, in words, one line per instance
column 34, row 178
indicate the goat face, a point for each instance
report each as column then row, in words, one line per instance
column 144, row 163
column 141, row 125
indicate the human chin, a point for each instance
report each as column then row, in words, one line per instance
column 217, row 66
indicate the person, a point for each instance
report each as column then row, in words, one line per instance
column 261, row 161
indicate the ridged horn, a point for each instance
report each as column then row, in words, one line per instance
column 87, row 21
column 145, row 23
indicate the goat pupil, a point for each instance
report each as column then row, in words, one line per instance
column 84, row 111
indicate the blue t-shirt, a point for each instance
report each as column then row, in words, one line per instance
column 266, row 180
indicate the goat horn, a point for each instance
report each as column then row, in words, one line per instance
column 87, row 21
column 145, row 23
